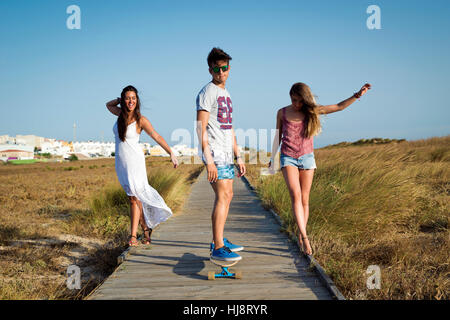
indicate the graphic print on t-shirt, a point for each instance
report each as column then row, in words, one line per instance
column 224, row 112
column 217, row 102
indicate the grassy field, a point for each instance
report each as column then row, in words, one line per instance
column 384, row 205
column 53, row 215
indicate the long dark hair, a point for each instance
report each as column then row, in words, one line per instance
column 309, row 108
column 123, row 117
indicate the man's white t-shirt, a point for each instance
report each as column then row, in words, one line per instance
column 217, row 102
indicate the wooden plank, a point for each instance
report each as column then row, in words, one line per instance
column 168, row 283
column 129, row 268
column 231, row 292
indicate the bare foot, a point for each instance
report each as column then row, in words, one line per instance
column 300, row 242
column 306, row 246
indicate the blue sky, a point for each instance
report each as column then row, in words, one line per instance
column 52, row 77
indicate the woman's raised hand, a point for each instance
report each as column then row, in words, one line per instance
column 364, row 89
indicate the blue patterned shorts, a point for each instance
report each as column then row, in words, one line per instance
column 225, row 172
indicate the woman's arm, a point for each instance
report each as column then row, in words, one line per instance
column 277, row 139
column 148, row 128
column 345, row 103
column 112, row 106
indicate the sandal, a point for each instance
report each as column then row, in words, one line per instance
column 133, row 243
column 147, row 240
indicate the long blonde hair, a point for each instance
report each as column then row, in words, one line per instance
column 309, row 108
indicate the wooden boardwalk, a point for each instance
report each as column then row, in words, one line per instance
column 176, row 265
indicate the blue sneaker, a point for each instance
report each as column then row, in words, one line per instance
column 225, row 254
column 233, row 247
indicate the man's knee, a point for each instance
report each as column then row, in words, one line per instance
column 230, row 195
column 224, row 194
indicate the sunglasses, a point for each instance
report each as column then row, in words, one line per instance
column 217, row 69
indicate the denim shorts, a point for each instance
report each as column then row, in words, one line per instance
column 305, row 162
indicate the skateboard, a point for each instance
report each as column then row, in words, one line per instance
column 225, row 272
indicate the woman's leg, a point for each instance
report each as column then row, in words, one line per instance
column 292, row 178
column 134, row 215
column 141, row 216
column 306, row 179
column 146, row 229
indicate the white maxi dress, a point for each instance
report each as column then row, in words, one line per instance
column 132, row 175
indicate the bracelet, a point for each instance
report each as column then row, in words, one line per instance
column 357, row 95
column 238, row 157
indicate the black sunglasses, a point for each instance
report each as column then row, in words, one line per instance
column 217, row 69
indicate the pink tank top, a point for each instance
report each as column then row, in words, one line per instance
column 293, row 142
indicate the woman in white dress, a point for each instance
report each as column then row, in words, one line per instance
column 147, row 207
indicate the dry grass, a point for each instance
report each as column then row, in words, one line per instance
column 385, row 205
column 56, row 214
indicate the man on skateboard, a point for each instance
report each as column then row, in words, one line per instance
column 218, row 145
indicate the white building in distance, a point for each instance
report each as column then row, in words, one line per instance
column 24, row 146
column 9, row 151
column 94, row 148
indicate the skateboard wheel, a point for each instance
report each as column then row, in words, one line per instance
column 238, row 275
column 211, row 275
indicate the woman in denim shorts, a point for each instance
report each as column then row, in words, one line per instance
column 298, row 124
